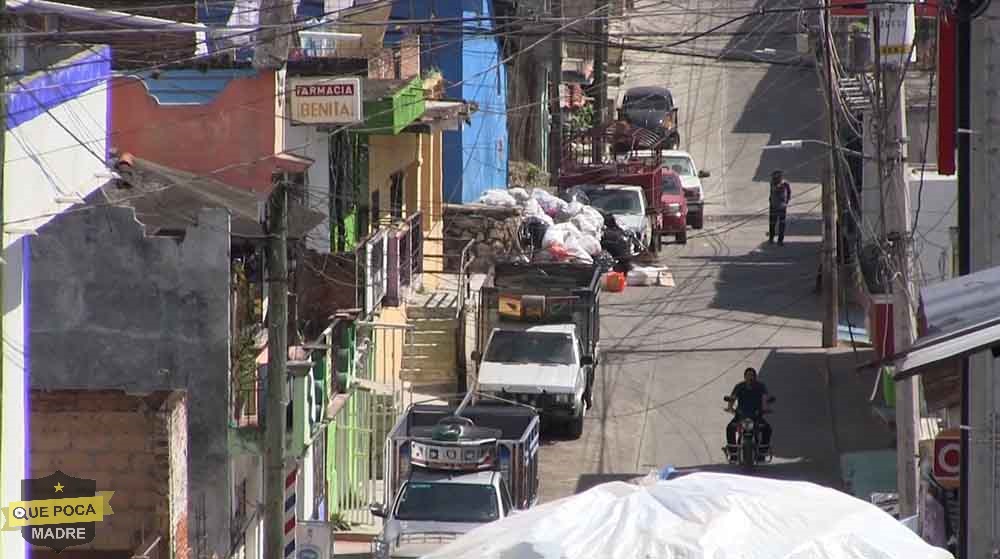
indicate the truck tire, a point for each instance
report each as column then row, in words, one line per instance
column 697, row 220
column 682, row 237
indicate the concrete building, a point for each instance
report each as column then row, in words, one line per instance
column 158, row 259
column 55, row 148
column 120, row 308
column 475, row 156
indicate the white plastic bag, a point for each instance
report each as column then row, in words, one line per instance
column 645, row 275
column 519, row 194
column 589, row 221
column 560, row 233
column 531, row 209
column 590, row 244
column 549, row 203
column 497, row 198
column 569, row 211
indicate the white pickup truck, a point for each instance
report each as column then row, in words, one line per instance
column 542, row 366
column 449, row 470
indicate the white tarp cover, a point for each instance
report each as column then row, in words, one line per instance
column 700, row 515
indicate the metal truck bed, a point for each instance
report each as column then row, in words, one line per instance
column 519, row 429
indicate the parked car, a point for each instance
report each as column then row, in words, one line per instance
column 681, row 163
column 626, row 203
column 652, row 108
column 674, row 208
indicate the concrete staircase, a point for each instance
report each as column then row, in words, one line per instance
column 429, row 359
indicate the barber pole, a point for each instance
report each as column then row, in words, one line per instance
column 290, row 481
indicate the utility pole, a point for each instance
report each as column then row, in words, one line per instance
column 600, row 90
column 273, row 38
column 830, row 264
column 963, row 54
column 979, row 82
column 277, row 374
column 891, row 110
column 555, row 98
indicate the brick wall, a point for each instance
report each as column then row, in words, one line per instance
column 409, row 57
column 128, row 444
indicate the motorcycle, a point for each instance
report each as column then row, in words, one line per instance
column 748, row 450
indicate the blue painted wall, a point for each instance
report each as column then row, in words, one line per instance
column 469, row 57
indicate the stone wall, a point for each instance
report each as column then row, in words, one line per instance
column 494, row 230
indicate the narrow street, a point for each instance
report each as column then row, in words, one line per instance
column 671, row 354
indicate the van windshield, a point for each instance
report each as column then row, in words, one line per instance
column 679, row 165
column 616, row 201
column 648, row 103
column 448, row 502
column 542, row 348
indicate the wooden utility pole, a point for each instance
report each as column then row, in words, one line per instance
column 555, row 98
column 830, row 264
column 600, row 79
column 277, row 374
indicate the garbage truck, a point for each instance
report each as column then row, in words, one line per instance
column 538, row 339
column 449, row 469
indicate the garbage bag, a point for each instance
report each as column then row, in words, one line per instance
column 617, row 243
column 533, row 210
column 558, row 252
column 536, row 228
column 589, row 221
column 645, row 275
column 497, row 198
column 590, row 244
column 549, row 203
column 519, row 194
column 569, row 211
column 560, row 233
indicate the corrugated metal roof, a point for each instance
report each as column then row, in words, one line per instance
column 191, row 87
column 958, row 317
column 165, row 198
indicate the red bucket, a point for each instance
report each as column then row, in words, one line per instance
column 614, row 282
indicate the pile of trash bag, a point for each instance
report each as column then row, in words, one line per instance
column 557, row 230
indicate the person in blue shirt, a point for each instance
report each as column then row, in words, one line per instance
column 750, row 398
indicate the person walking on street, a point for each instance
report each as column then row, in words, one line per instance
column 781, row 195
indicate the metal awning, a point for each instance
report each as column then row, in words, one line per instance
column 958, row 317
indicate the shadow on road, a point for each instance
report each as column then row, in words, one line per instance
column 785, row 104
column 776, row 281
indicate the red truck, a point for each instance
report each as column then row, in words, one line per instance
column 634, row 160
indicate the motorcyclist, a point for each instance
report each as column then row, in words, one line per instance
column 750, row 398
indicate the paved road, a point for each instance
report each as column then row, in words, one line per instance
column 670, row 354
